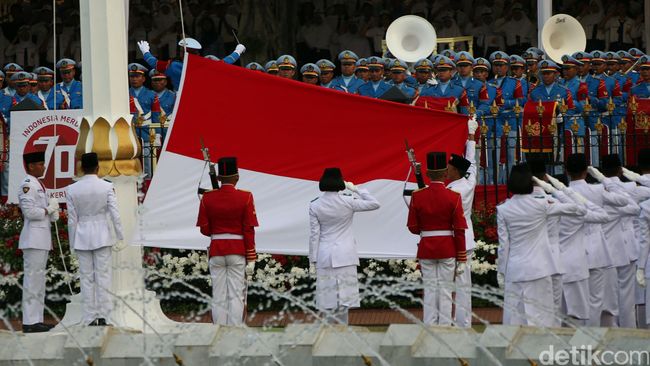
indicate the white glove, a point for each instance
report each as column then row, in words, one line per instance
column 556, row 183
column 312, row 268
column 158, row 140
column 119, row 246
column 250, row 268
column 53, row 206
column 640, row 277
column 545, row 186
column 351, row 187
column 144, row 46
column 501, row 280
column 472, row 125
column 596, row 173
column 460, row 268
column 240, row 49
column 634, row 177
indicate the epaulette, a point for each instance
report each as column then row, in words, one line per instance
column 26, row 180
column 314, row 199
column 346, row 194
column 243, row 190
column 542, row 197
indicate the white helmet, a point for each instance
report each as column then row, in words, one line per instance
column 191, row 43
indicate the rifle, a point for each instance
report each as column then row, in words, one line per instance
column 213, row 172
column 417, row 168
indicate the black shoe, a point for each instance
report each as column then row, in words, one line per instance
column 36, row 328
column 49, row 326
column 99, row 322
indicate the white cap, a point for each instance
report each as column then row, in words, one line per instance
column 191, row 43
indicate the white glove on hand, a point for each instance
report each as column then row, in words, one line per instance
column 312, row 268
column 351, row 187
column 240, row 49
column 53, row 206
column 460, row 268
column 640, row 277
column 556, row 183
column 120, row 245
column 501, row 280
column 595, row 173
column 634, row 177
column 250, row 268
column 545, row 186
column 472, row 125
column 144, row 46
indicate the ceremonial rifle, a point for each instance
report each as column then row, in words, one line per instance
column 416, row 167
column 213, row 172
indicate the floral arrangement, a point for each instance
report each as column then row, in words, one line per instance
column 181, row 277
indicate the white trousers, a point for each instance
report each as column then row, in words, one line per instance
column 529, row 303
column 610, row 300
column 95, row 267
column 556, row 281
column 464, row 295
column 228, row 287
column 647, row 305
column 438, row 277
column 626, row 296
column 34, row 268
column 337, row 288
column 596, row 295
column 575, row 302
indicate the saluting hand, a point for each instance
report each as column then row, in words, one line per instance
column 144, row 46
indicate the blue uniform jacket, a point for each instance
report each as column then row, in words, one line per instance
column 174, row 69
column 352, row 86
column 74, row 91
column 368, row 90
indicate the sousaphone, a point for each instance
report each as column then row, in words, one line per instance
column 411, row 38
column 562, row 34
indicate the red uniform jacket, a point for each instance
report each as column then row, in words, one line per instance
column 438, row 208
column 229, row 211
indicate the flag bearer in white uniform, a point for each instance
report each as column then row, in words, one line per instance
column 332, row 247
column 35, row 241
column 620, row 234
column 462, row 173
column 525, row 262
column 94, row 226
column 573, row 251
column 599, row 255
column 642, row 229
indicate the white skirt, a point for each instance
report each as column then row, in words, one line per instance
column 337, row 287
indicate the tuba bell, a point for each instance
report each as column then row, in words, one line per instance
column 562, row 34
column 411, row 38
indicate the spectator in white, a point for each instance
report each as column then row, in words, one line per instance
column 351, row 40
column 449, row 29
column 377, row 33
column 618, row 28
column 366, row 18
column 592, row 14
column 496, row 7
column 460, row 17
column 26, row 51
column 317, row 35
column 488, row 39
column 519, row 31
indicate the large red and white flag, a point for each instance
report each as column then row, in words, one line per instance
column 284, row 133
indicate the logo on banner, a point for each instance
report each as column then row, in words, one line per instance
column 59, row 154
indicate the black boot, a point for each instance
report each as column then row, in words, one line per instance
column 36, row 328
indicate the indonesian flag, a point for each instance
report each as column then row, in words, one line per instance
column 284, row 133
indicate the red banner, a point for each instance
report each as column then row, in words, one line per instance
column 638, row 129
column 537, row 131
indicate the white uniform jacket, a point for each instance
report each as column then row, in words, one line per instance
column 524, row 250
column 466, row 187
column 631, row 223
column 644, row 237
column 91, row 201
column 33, row 203
column 331, row 243
column 599, row 249
column 553, row 226
column 573, row 243
column 621, row 243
